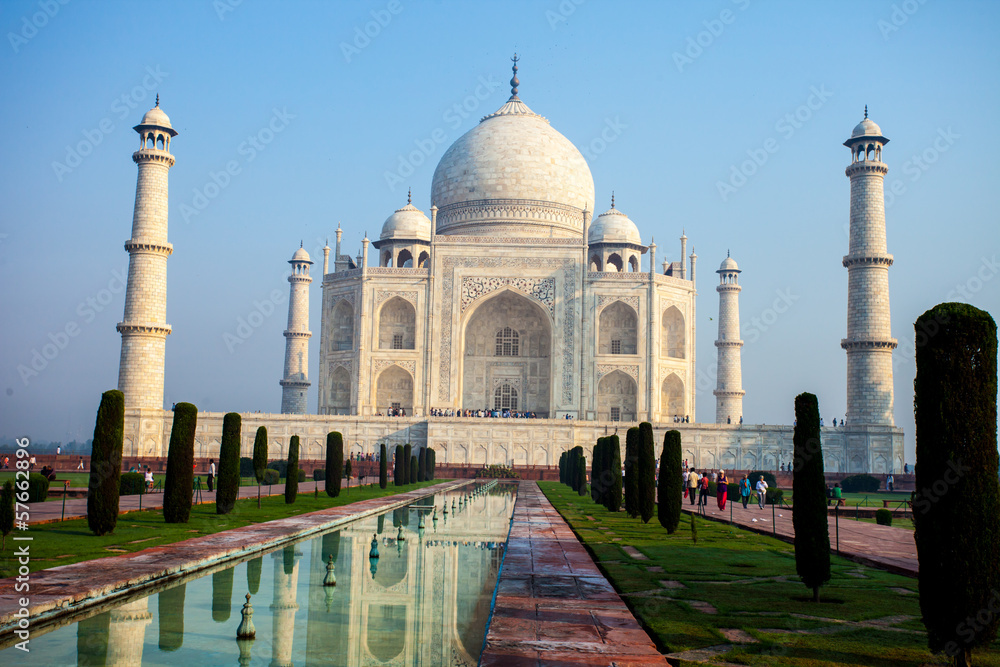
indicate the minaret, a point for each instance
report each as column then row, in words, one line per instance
column 295, row 385
column 869, row 341
column 729, row 388
column 143, row 328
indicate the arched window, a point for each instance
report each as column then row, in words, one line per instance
column 422, row 261
column 633, row 264
column 614, row 261
column 595, row 263
column 386, row 258
column 507, row 343
column 505, row 398
column 342, row 327
column 404, row 259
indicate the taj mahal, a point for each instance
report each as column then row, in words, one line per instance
column 508, row 323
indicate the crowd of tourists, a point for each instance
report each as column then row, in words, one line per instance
column 696, row 486
column 483, row 414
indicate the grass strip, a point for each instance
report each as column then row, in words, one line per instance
column 686, row 593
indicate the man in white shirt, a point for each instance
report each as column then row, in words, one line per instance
column 149, row 479
column 211, row 474
column 761, row 492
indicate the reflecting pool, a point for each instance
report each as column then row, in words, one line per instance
column 424, row 601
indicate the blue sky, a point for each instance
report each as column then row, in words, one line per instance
column 667, row 100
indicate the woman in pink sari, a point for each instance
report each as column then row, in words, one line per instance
column 722, row 490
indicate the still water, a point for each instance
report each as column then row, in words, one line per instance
column 424, row 601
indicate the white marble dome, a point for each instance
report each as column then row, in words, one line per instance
column 866, row 128
column 512, row 175
column 301, row 256
column 155, row 116
column 409, row 223
column 729, row 264
column 614, row 227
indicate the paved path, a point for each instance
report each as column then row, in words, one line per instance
column 885, row 547
column 76, row 508
column 62, row 591
column 553, row 606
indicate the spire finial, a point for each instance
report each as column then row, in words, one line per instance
column 612, row 199
column 727, row 252
column 409, row 195
column 157, row 99
column 514, row 83
column 301, row 243
column 866, row 111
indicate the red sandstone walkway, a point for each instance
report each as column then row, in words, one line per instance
column 884, row 547
column 66, row 589
column 553, row 606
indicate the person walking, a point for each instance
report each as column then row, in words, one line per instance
column 693, row 485
column 703, row 490
column 889, row 482
column 211, row 474
column 745, row 491
column 722, row 490
column 761, row 492
column 80, row 466
column 684, row 483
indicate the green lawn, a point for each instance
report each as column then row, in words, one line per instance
column 71, row 541
column 865, row 499
column 750, row 581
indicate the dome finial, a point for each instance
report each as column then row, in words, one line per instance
column 866, row 111
column 301, row 243
column 409, row 196
column 612, row 199
column 514, row 83
column 157, row 99
column 727, row 252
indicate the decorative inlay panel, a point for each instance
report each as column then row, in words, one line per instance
column 540, row 289
column 407, row 365
column 606, row 299
column 382, row 296
column 631, row 370
column 344, row 296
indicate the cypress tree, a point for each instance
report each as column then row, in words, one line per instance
column 179, row 480
column 413, row 469
column 632, row 439
column 646, row 467
column 228, row 483
column 259, row 458
column 292, row 471
column 106, row 464
column 422, row 465
column 576, row 455
column 614, row 456
column 348, row 471
column 809, row 513
column 407, row 453
column 595, row 471
column 6, row 511
column 581, row 481
column 562, row 468
column 383, row 468
column 397, row 466
column 957, row 505
column 670, row 491
column 431, row 464
column 334, row 462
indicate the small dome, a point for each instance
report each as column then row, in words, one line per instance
column 408, row 222
column 155, row 116
column 613, row 226
column 729, row 264
column 866, row 128
column 301, row 256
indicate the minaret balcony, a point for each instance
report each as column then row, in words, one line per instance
column 871, row 259
column 153, row 155
column 729, row 343
column 868, row 343
column 867, row 167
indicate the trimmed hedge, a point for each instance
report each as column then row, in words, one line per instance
column 292, row 481
column 180, row 465
column 414, row 469
column 633, row 438
column 670, row 491
column 883, row 517
column 38, row 487
column 614, row 458
column 319, row 474
column 422, row 465
column 646, row 470
column 246, row 466
column 227, row 484
column 407, row 468
column 106, row 463
column 6, row 510
column 383, row 468
column 431, row 464
column 397, row 466
column 860, row 484
column 260, row 454
column 132, row 484
column 334, row 462
column 271, row 476
column 581, row 479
